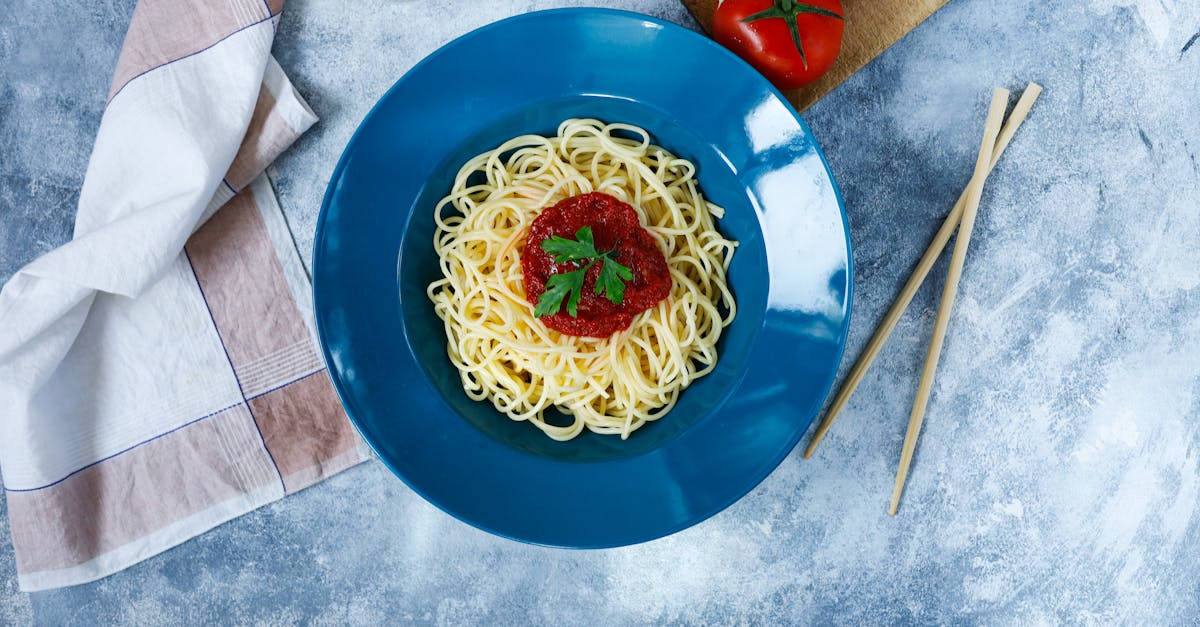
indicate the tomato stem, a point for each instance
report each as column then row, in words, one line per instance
column 788, row 10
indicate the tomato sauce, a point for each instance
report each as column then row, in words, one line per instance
column 615, row 227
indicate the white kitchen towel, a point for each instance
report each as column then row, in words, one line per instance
column 159, row 373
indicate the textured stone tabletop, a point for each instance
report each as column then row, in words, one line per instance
column 1057, row 476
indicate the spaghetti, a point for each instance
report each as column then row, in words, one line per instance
column 505, row 354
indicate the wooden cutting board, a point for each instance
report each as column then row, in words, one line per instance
column 871, row 27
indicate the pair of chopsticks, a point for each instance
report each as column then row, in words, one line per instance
column 962, row 217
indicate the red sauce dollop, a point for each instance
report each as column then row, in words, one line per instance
column 615, row 226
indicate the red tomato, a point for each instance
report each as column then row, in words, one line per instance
column 791, row 43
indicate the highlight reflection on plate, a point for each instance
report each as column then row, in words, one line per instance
column 385, row 348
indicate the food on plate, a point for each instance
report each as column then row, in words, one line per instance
column 791, row 43
column 582, row 275
column 578, row 242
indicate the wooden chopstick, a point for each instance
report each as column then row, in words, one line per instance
column 925, row 264
column 959, row 256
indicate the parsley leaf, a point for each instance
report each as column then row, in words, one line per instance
column 578, row 249
column 569, row 285
column 611, row 281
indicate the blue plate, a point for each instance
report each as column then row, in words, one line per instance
column 791, row 274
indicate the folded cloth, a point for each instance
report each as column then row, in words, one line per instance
column 158, row 374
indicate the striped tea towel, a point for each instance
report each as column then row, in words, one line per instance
column 159, row 373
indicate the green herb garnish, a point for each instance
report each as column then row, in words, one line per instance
column 569, row 285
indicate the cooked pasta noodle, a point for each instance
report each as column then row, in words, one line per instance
column 504, row 354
